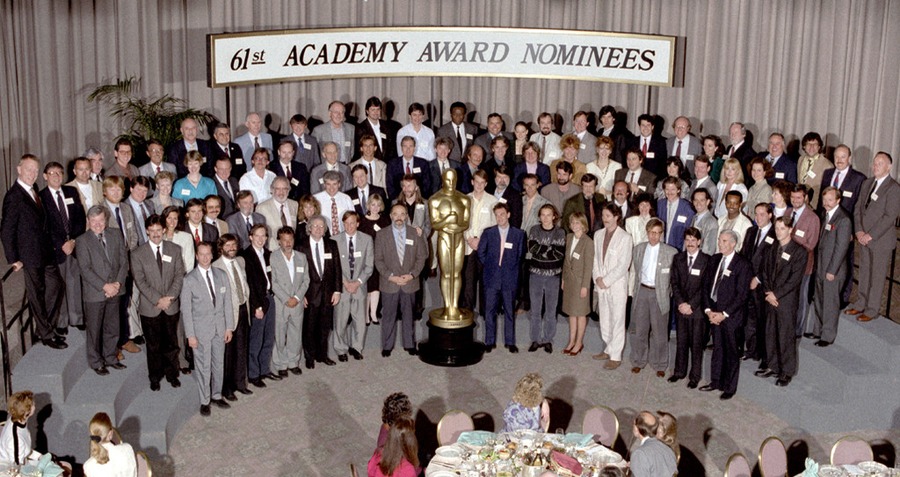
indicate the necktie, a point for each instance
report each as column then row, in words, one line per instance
column 249, row 225
column 362, row 199
column 630, row 177
column 299, row 144
column 63, row 213
column 690, row 263
column 401, row 247
column 543, row 147
column 334, row 218
column 678, row 149
column 238, row 288
column 158, row 169
column 731, row 151
column 121, row 225
column 408, row 170
column 837, row 179
column 284, row 222
column 196, row 235
column 159, row 258
column 144, row 213
column 287, row 172
column 869, row 197
column 227, row 152
column 794, row 218
column 715, row 290
column 591, row 207
column 212, row 292
column 644, row 147
column 103, row 244
column 37, row 198
column 256, row 142
column 227, row 190
column 459, row 137
column 809, row 164
column 759, row 237
column 370, row 172
column 351, row 259
column 319, row 264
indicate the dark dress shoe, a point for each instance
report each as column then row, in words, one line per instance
column 489, row 348
column 328, row 362
column 342, row 358
column 534, row 347
column 258, row 382
column 175, row 383
column 310, row 364
column 707, row 388
column 204, row 409
column 764, row 373
column 412, row 351
column 783, row 381
column 692, row 384
column 62, row 331
column 356, row 354
column 230, row 397
column 726, row 396
column 221, row 404
column 80, row 327
column 810, row 335
column 154, row 385
column 385, row 353
column 186, row 371
column 117, row 365
column 660, row 374
column 296, row 371
column 513, row 348
column 248, row 392
column 674, row 379
column 273, row 377
column 139, row 339
column 55, row 343
column 102, row 371
column 747, row 357
column 823, row 344
column 635, row 370
column 283, row 373
column 549, row 348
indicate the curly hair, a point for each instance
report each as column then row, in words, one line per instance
column 396, row 406
column 528, row 390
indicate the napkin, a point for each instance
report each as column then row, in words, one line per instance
column 812, row 468
column 579, row 440
column 566, row 462
column 475, row 438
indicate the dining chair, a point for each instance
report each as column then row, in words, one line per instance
column 772, row 458
column 737, row 466
column 850, row 450
column 143, row 465
column 451, row 425
column 601, row 421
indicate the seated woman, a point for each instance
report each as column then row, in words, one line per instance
column 396, row 407
column 528, row 409
column 108, row 459
column 667, row 432
column 399, row 457
column 15, row 440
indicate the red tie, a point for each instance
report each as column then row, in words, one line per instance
column 196, row 236
column 678, row 149
column 408, row 171
column 644, row 147
column 158, row 169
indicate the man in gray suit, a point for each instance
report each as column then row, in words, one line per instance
column 874, row 218
column 400, row 255
column 157, row 153
column 587, row 152
column 652, row 265
column 701, row 179
column 208, row 324
column 290, row 280
column 683, row 145
column 835, row 239
column 336, row 130
column 158, row 274
column 705, row 221
column 357, row 262
column 495, row 128
column 103, row 265
column 329, row 163
column 251, row 140
column 240, row 222
column 458, row 130
column 651, row 457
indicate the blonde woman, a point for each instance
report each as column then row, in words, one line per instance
column 15, row 440
column 732, row 179
column 527, row 409
column 163, row 197
column 576, row 281
column 604, row 167
column 107, row 458
column 370, row 224
column 667, row 432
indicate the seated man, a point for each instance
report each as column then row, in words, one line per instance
column 651, row 457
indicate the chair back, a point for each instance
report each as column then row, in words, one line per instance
column 772, row 458
column 451, row 425
column 851, row 450
column 737, row 466
column 602, row 422
column 143, row 465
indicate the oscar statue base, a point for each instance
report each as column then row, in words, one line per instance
column 451, row 346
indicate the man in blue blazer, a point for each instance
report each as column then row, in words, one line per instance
column 675, row 212
column 188, row 142
column 785, row 166
column 252, row 139
column 407, row 163
column 501, row 249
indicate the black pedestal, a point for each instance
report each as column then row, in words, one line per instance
column 451, row 347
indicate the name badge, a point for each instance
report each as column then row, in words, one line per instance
column 583, row 146
column 681, row 219
column 785, row 256
column 554, row 154
column 376, row 227
column 695, row 272
column 576, row 256
column 640, row 187
column 727, row 273
column 355, row 201
column 811, row 174
column 651, row 155
column 298, row 269
column 874, row 197
column 68, row 201
column 357, row 254
column 502, row 200
column 507, row 245
column 847, row 194
column 167, row 258
column 417, row 170
column 185, row 192
column 409, row 241
column 222, row 290
column 779, row 175
column 469, row 136
column 321, row 180
column 346, row 143
column 383, row 135
column 689, row 157
column 484, row 211
column 420, row 206
column 326, row 256
column 307, row 146
column 769, row 240
column 800, row 233
column 829, row 227
column 664, row 270
column 129, row 225
column 268, row 269
column 239, row 161
column 294, row 182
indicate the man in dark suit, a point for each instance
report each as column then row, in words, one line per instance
column 188, row 142
column 683, row 144
column 741, row 147
column 832, row 271
column 65, row 222
column 362, row 190
column 651, row 145
column 323, row 294
column 408, row 164
column 495, row 127
column 27, row 247
column 531, row 153
column 675, row 212
column 443, row 146
column 459, row 131
column 384, row 133
column 262, row 307
column 725, row 293
column 874, row 218
column 295, row 172
column 757, row 241
column 689, row 269
column 103, row 266
column 222, row 147
column 499, row 147
column 785, row 167
column 589, row 202
column 226, row 186
column 507, row 195
column 635, row 175
column 501, row 250
column 466, row 171
column 200, row 231
column 306, row 147
column 158, row 275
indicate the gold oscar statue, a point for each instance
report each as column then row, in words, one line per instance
column 449, row 211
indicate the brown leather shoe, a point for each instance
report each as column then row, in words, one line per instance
column 864, row 318
column 635, row 370
column 853, row 311
column 612, row 364
column 131, row 347
column 660, row 374
column 600, row 357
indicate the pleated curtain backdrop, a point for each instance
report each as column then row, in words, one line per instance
column 829, row 66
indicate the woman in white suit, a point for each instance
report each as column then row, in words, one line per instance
column 612, row 257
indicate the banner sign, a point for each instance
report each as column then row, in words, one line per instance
column 296, row 55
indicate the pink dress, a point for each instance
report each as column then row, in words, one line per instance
column 405, row 469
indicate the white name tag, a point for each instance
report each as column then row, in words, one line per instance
column 695, row 272
column 222, row 290
column 469, row 136
column 409, row 241
column 554, row 154
column 651, row 155
column 576, row 256
column 829, row 227
column 800, row 233
column 355, row 201
column 294, row 181
column 239, row 161
column 268, row 269
column 185, row 192
column 346, row 143
column 68, row 201
column 484, row 211
column 298, row 269
column 420, row 206
column 383, row 135
column 640, row 187
column 847, row 194
column 507, row 245
column 376, row 227
column 689, row 157
column 327, row 256
column 357, row 254
column 681, row 219
column 129, row 225
column 779, row 175
column 664, row 270
column 874, row 197
column 811, row 174
column 583, row 146
column 321, row 180
column 417, row 170
column 769, row 240
column 727, row 272
column 502, row 200
column 167, row 258
column 307, row 146
column 785, row 256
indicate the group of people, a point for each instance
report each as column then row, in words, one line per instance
column 239, row 268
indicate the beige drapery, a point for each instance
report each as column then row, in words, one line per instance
column 804, row 65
